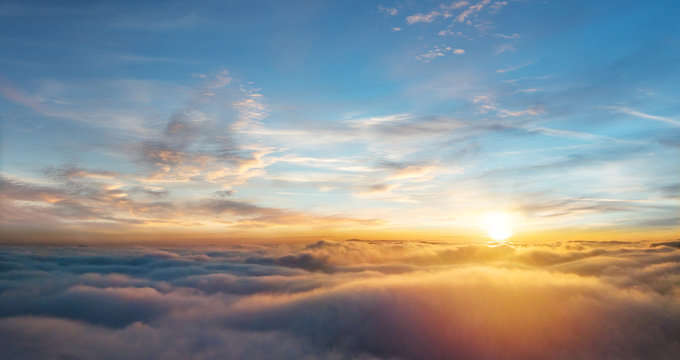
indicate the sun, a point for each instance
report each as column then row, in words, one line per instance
column 497, row 225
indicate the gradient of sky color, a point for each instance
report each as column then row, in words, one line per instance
column 339, row 118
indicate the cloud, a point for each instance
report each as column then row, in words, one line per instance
column 219, row 80
column 433, row 53
column 460, row 313
column 443, row 11
column 410, row 171
column 151, row 59
column 69, row 172
column 251, row 109
column 389, row 11
column 376, row 189
column 459, row 13
column 348, row 299
column 76, row 199
column 438, row 51
column 516, row 67
column 454, row 5
column 244, row 214
column 404, row 125
column 197, row 145
column 161, row 23
column 472, row 10
column 450, row 33
column 496, row 6
column 192, row 144
column 96, row 200
column 118, row 102
column 632, row 112
column 567, row 134
column 422, row 18
column 508, row 37
column 69, row 339
column 12, row 92
column 505, row 48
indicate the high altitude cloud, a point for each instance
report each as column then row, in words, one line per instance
column 147, row 139
column 351, row 299
column 97, row 200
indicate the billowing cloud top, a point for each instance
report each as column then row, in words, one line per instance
column 342, row 300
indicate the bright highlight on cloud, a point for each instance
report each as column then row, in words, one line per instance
column 350, row 299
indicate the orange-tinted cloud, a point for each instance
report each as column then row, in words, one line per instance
column 351, row 299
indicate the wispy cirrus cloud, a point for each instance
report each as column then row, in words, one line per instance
column 93, row 204
column 516, row 67
column 155, row 23
column 251, row 108
column 389, row 11
column 639, row 114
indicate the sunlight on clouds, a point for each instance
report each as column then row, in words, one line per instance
column 178, row 180
column 348, row 299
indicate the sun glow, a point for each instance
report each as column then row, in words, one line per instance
column 497, row 225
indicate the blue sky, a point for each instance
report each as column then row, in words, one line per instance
column 340, row 117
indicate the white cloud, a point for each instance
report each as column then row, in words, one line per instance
column 516, row 67
column 505, row 48
column 515, row 113
column 451, row 33
column 496, row 6
column 570, row 134
column 389, row 11
column 434, row 52
column 158, row 23
column 529, row 90
column 220, row 80
column 633, row 112
column 454, row 5
column 509, row 37
column 251, row 108
column 422, row 18
column 465, row 15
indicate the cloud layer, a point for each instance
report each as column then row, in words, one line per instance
column 351, row 299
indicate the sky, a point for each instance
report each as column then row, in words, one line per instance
column 367, row 180
column 247, row 120
column 342, row 300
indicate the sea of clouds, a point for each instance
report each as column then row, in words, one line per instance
column 343, row 300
